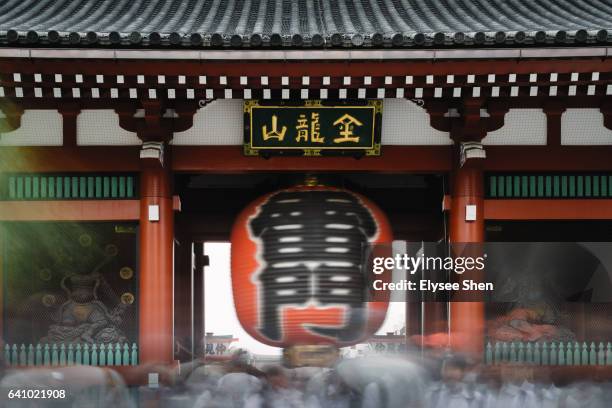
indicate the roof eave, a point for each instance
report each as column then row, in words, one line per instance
column 301, row 55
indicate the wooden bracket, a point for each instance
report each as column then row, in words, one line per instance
column 158, row 123
column 69, row 112
column 553, row 111
column 469, row 125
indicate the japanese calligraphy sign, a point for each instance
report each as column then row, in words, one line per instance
column 313, row 128
column 298, row 273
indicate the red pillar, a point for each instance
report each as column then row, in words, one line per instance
column 156, row 264
column 467, row 319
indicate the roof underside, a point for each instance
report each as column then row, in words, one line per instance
column 303, row 23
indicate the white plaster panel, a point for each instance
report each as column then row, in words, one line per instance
column 521, row 127
column 101, row 128
column 584, row 127
column 218, row 123
column 38, row 128
column 405, row 123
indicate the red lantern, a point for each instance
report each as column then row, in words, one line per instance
column 297, row 266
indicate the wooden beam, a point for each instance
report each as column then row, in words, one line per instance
column 548, row 209
column 548, row 158
column 52, row 159
column 228, row 159
column 223, row 159
column 70, row 210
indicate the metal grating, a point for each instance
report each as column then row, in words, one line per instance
column 534, row 186
column 68, row 187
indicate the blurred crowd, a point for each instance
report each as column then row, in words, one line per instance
column 449, row 381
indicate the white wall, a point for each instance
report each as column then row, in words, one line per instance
column 101, row 128
column 218, row 123
column 405, row 123
column 521, row 127
column 221, row 123
column 584, row 127
column 38, row 128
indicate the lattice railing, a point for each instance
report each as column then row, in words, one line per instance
column 70, row 354
column 549, row 353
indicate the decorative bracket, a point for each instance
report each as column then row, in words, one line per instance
column 154, row 122
column 467, row 122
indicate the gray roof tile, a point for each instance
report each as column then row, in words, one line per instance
column 303, row 23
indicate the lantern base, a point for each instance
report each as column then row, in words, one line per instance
column 310, row 356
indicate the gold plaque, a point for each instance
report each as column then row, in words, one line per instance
column 85, row 240
column 44, row 274
column 126, row 272
column 111, row 250
column 311, row 355
column 127, row 298
column 48, row 300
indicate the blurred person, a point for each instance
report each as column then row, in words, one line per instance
column 301, row 377
column 240, row 362
column 276, row 392
column 204, row 377
column 374, row 396
column 452, row 390
column 393, row 391
column 81, row 386
column 549, row 394
column 233, row 391
column 584, row 395
column 490, row 390
column 518, row 390
column 385, row 382
column 332, row 392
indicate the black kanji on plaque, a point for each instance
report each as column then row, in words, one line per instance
column 312, row 244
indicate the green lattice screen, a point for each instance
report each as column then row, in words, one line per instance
column 67, row 187
column 577, row 185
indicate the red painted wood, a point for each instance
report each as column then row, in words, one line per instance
column 231, row 159
column 220, row 159
column 548, row 158
column 70, row 210
column 548, row 209
column 69, row 112
column 467, row 319
column 156, row 307
column 56, row 159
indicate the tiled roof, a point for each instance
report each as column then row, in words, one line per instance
column 304, row 23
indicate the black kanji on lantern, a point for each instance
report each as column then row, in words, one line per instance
column 312, row 243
